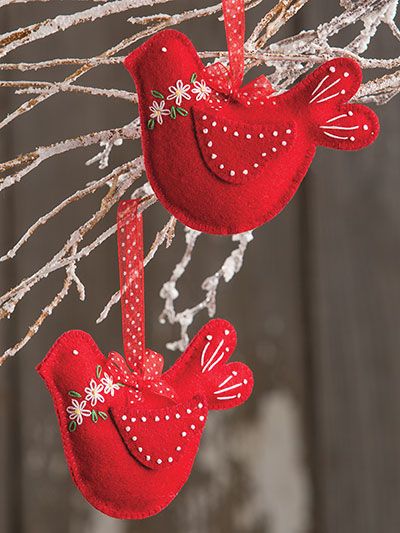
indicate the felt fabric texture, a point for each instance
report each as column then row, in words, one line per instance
column 131, row 432
column 249, row 179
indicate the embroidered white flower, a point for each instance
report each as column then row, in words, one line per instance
column 77, row 411
column 178, row 92
column 109, row 386
column 93, row 393
column 157, row 111
column 201, row 90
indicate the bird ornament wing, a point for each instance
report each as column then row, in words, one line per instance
column 159, row 438
column 237, row 151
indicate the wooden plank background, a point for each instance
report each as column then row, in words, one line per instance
column 316, row 449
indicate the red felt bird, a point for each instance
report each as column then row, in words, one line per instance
column 224, row 158
column 130, row 432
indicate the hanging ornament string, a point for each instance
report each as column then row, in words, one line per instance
column 141, row 367
column 130, row 258
column 228, row 81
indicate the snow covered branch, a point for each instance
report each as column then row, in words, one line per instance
column 289, row 58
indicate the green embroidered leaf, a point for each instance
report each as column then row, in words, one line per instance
column 121, row 385
column 157, row 94
column 193, row 78
column 182, row 111
column 98, row 371
column 74, row 394
column 94, row 416
column 103, row 415
column 151, row 123
column 172, row 113
column 72, row 426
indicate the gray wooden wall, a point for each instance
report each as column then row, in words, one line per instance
column 317, row 306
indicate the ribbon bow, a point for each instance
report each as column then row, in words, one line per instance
column 228, row 81
column 142, row 368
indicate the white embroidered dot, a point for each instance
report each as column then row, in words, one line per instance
column 163, row 49
column 245, row 172
column 201, row 418
column 140, row 449
column 225, row 129
column 178, row 448
column 75, row 352
column 213, row 156
column 346, row 74
column 232, row 172
column 159, row 461
column 166, row 417
column 274, row 149
column 144, row 419
column 264, row 154
column 205, row 130
column 148, row 457
column 134, row 438
column 133, row 419
column 170, row 459
column 156, row 418
column 213, row 123
column 275, row 133
column 332, row 69
column 188, row 411
column 234, row 373
column 177, row 416
column 124, row 417
column 245, row 381
column 350, row 113
column 365, row 127
column 352, row 139
column 199, row 405
column 284, row 143
column 261, row 135
column 209, row 337
column 248, row 136
column 288, row 132
column 193, row 427
column 183, row 433
column 255, row 165
column 236, row 133
column 204, row 117
column 342, row 91
column 221, row 166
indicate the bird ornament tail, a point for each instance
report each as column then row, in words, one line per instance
column 131, row 432
column 246, row 146
column 324, row 97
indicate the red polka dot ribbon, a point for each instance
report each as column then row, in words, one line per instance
column 141, row 368
column 228, row 81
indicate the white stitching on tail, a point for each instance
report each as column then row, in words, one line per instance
column 319, row 84
column 328, row 98
column 339, row 127
column 336, row 118
column 203, row 353
column 228, row 388
column 227, row 397
column 225, row 381
column 335, row 136
column 324, row 90
column 212, row 357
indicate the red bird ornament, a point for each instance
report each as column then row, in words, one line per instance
column 224, row 158
column 131, row 432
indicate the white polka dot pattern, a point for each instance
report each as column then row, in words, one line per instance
column 130, row 251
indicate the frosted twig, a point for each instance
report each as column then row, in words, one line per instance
column 231, row 266
column 46, row 87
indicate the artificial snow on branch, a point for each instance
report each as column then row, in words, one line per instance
column 289, row 58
